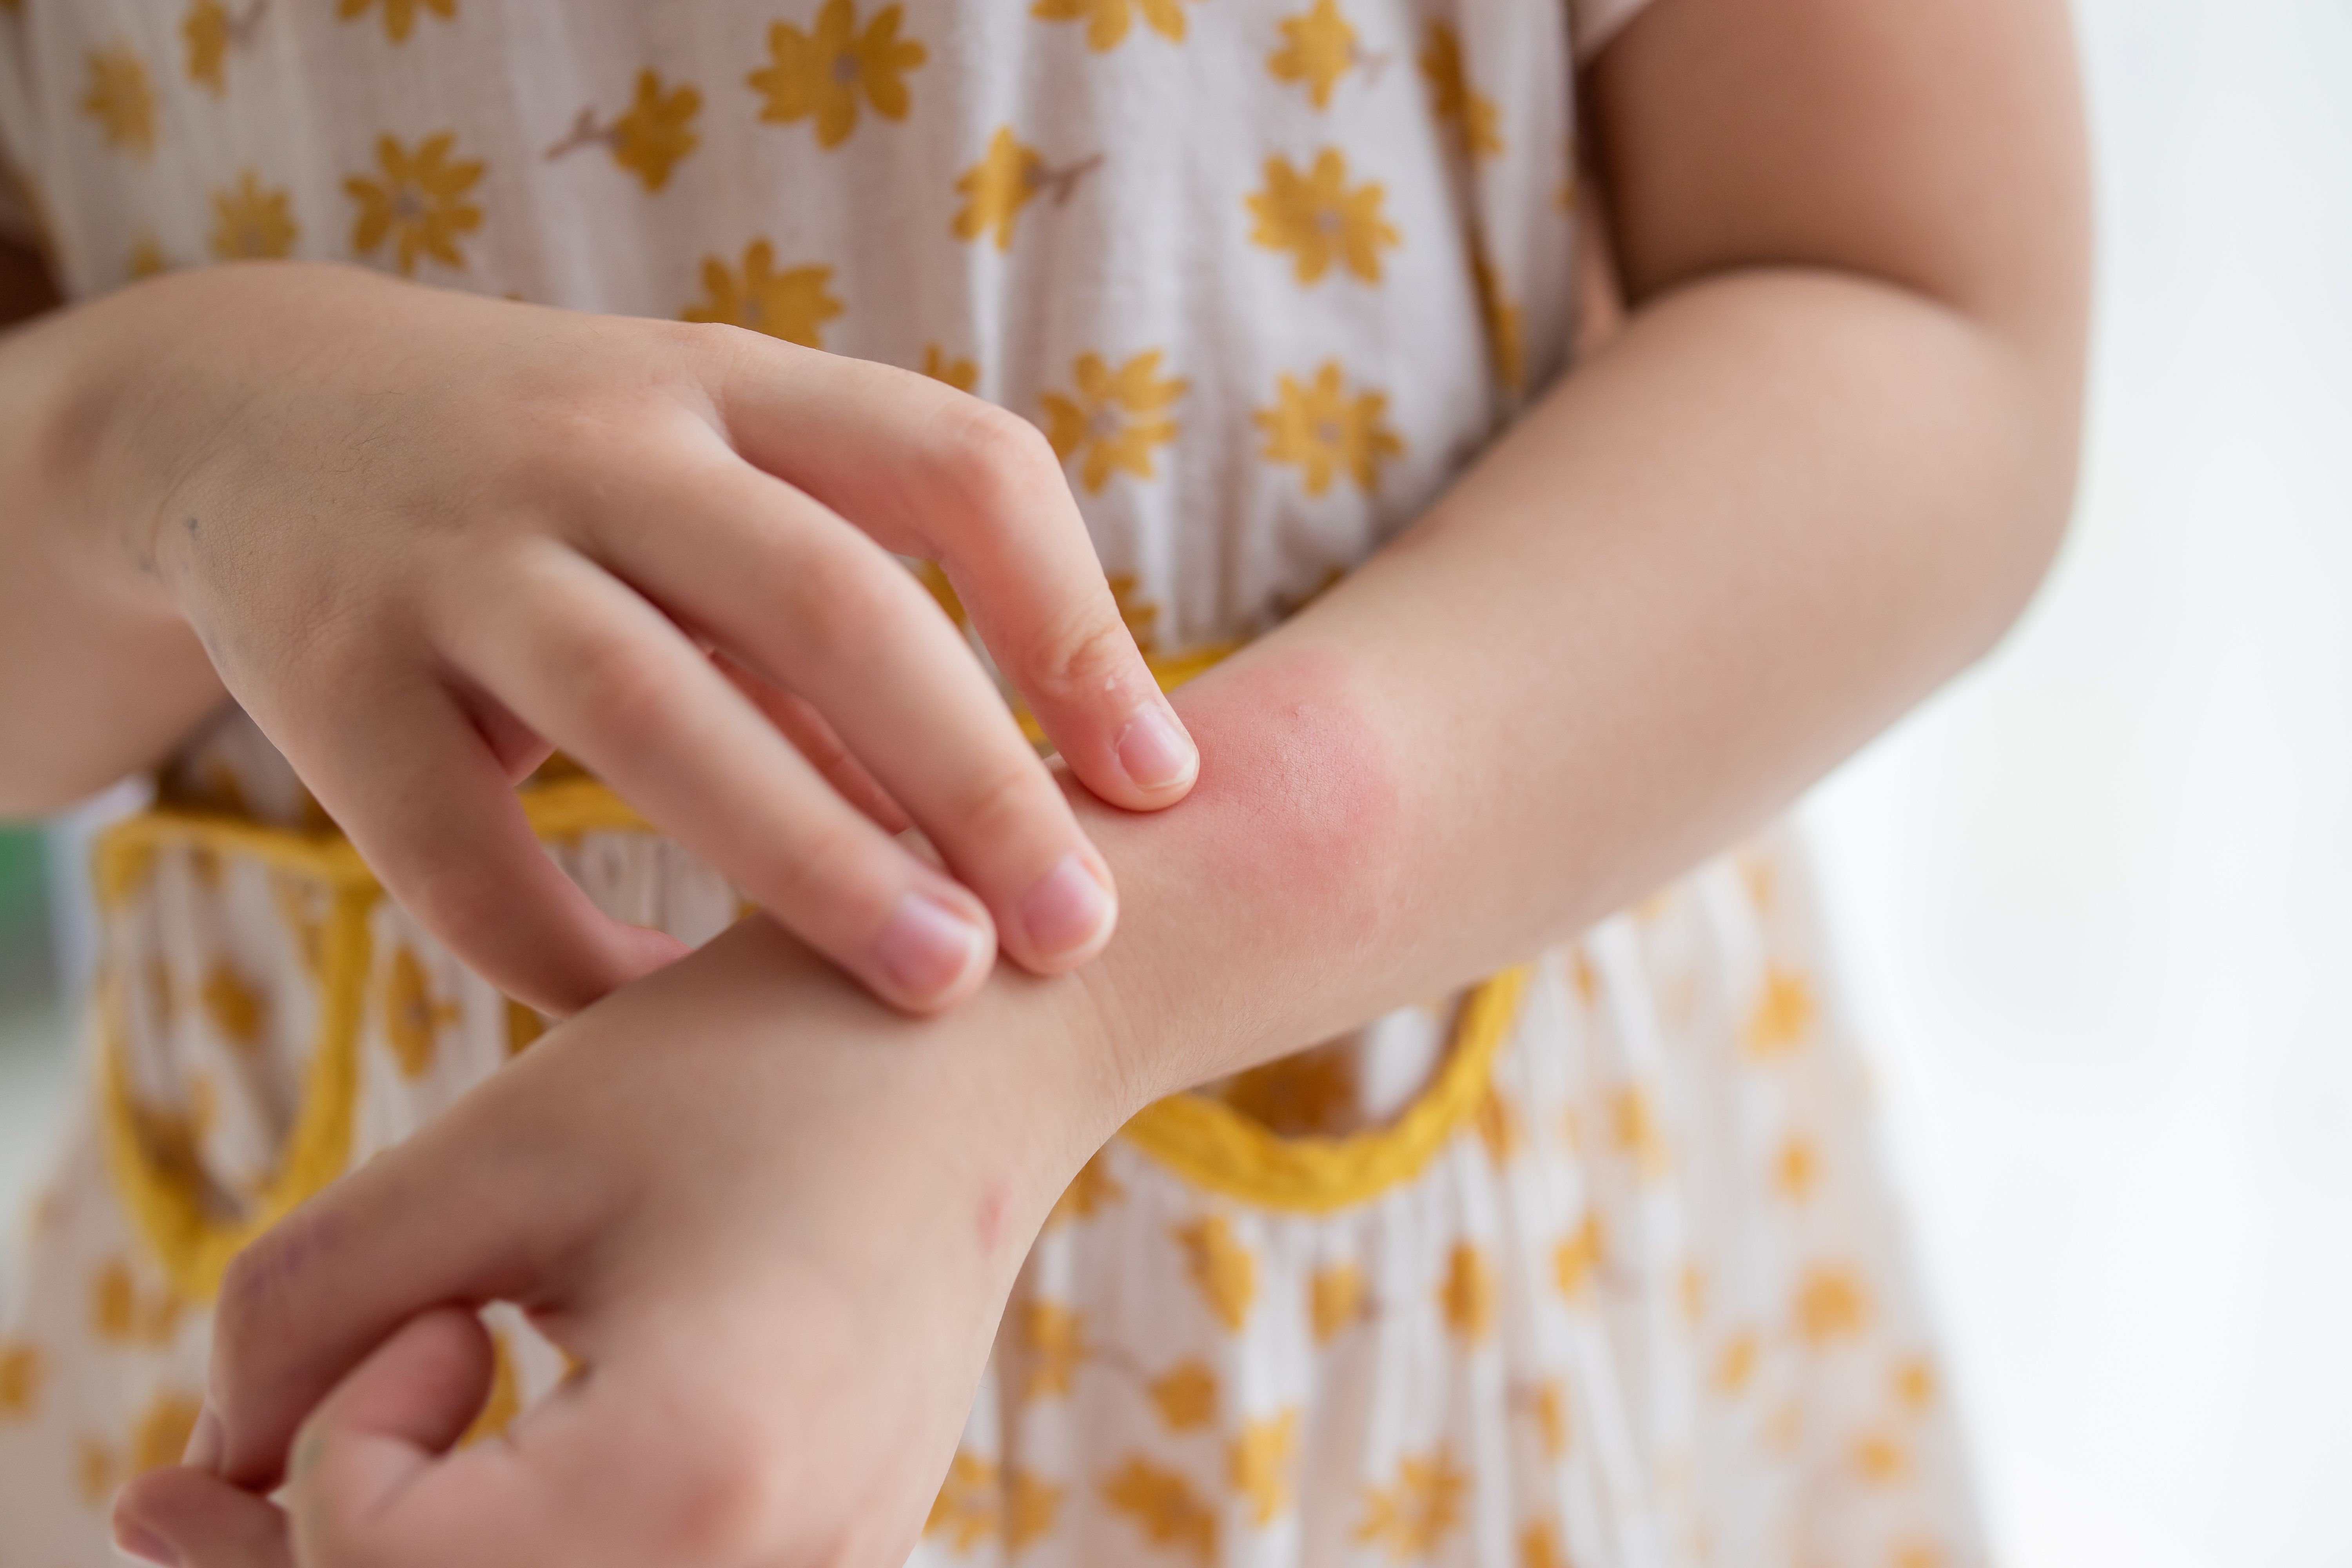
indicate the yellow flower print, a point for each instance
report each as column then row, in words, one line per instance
column 794, row 304
column 1880, row 1459
column 1830, row 1304
column 1915, row 1554
column 961, row 373
column 253, row 223
column 1093, row 1188
column 996, row 188
column 1796, row 1168
column 1107, row 21
column 1576, row 1261
column 1323, row 430
column 1186, row 1395
column 93, row 1471
column 1222, row 1268
column 1505, row 337
column 1550, row 1411
column 1783, row 1016
column 121, row 99
column 524, row 1026
column 1334, row 1300
column 412, row 1016
column 942, row 592
column 24, row 1374
column 1115, row 419
column 819, row 74
column 966, row 1510
column 161, row 1435
column 1737, row 1366
column 1694, row 1293
column 235, row 1007
column 1540, row 1547
column 651, row 139
column 1639, row 1137
column 210, row 30
column 419, row 204
column 399, row 15
column 1031, row 1506
column 1408, row 1519
column 1164, row 1506
column 1317, row 218
column 1451, row 96
column 1468, row 1294
column 1258, row 1462
column 299, row 908
column 120, row 1313
column 1319, row 47
column 1498, row 1125
column 1056, row 1339
column 1915, row 1383
column 505, row 1401
column 146, row 258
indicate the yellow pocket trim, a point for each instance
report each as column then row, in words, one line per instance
column 1210, row 1144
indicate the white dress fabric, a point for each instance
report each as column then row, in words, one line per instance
column 1592, row 1266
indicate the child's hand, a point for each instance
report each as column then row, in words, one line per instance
column 778, row 1248
column 425, row 536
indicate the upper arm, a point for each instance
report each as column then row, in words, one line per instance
column 1933, row 146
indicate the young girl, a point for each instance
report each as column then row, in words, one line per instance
column 1347, row 1206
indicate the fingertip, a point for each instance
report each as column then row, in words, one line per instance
column 1158, row 755
column 1068, row 915
column 932, row 952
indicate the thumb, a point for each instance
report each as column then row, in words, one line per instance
column 443, row 1219
column 186, row 1519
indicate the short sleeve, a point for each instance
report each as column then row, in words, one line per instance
column 1593, row 22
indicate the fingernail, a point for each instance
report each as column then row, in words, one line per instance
column 1066, row 910
column 927, row 946
column 1155, row 750
column 143, row 1543
column 205, row 1442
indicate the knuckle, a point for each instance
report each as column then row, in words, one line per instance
column 818, row 869
column 1079, row 651
column 716, row 1497
column 998, row 802
column 625, row 697
column 847, row 598
column 998, row 464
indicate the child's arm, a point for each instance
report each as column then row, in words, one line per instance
column 1820, row 470
column 422, row 537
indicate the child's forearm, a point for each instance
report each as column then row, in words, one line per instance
column 98, row 675
column 1771, row 516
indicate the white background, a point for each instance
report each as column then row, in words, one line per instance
column 2096, row 904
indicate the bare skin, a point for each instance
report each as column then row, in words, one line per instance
column 1820, row 470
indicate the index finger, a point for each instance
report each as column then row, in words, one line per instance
column 980, row 492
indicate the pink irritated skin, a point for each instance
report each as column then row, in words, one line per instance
column 1294, row 839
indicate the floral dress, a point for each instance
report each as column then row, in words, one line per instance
column 1591, row 1264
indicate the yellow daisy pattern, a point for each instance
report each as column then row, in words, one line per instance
column 1468, row 1297
column 1319, row 47
column 146, row 258
column 210, row 30
column 1830, row 1304
column 1054, row 1340
column 1408, row 1517
column 1326, row 432
column 1335, row 1297
column 1549, row 1408
column 1164, row 1506
column 1506, row 338
column 121, row 99
column 1185, row 1395
column 966, row 1511
column 120, row 1313
column 1783, row 1018
column 1318, row 220
column 23, row 1376
column 1575, row 1262
column 160, row 1434
column 650, row 139
column 399, row 15
column 1258, row 1465
column 793, row 304
column 1539, row 1547
column 962, row 374
column 418, row 201
column 412, row 1016
column 820, row 75
column 252, row 222
column 235, row 1006
column 1222, row 1268
column 1008, row 174
column 1452, row 99
column 1115, row 419
column 1107, row 21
